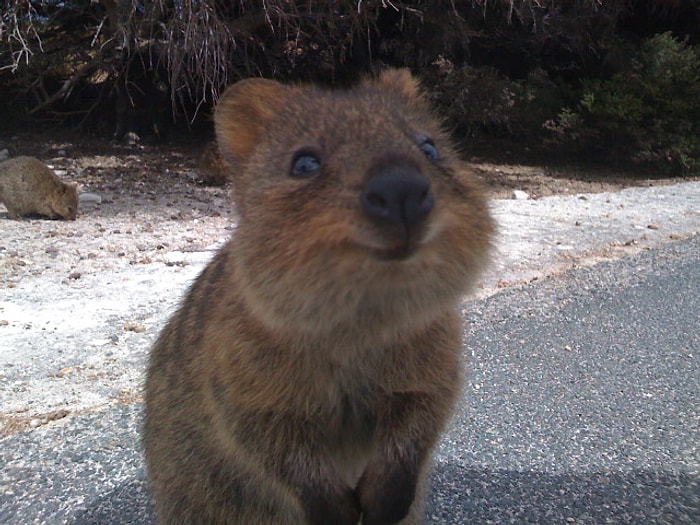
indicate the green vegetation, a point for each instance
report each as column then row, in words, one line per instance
column 616, row 80
column 651, row 107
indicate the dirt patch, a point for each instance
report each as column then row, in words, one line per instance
column 162, row 172
column 539, row 181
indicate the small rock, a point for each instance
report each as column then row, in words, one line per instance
column 133, row 327
column 63, row 372
column 174, row 257
column 4, row 154
column 89, row 198
column 519, row 195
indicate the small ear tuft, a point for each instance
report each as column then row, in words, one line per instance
column 242, row 114
column 401, row 82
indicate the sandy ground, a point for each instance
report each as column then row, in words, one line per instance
column 81, row 302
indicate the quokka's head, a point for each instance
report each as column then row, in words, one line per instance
column 64, row 200
column 351, row 203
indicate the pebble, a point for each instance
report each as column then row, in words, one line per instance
column 89, row 198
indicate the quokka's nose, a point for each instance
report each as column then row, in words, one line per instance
column 399, row 195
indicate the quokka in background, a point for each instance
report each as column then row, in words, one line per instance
column 30, row 187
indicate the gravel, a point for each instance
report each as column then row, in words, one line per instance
column 583, row 400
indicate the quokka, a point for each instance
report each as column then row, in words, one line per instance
column 29, row 187
column 313, row 365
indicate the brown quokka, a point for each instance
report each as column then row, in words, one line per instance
column 213, row 169
column 28, row 186
column 312, row 366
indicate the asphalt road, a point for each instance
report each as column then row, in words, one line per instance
column 583, row 406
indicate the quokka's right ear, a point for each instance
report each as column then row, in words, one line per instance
column 242, row 114
column 401, row 83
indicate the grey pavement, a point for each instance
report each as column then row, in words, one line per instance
column 582, row 406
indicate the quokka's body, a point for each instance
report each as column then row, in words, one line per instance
column 314, row 363
column 28, row 187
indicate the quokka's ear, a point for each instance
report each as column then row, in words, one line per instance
column 242, row 114
column 400, row 82
column 69, row 187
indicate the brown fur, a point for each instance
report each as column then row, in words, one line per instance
column 28, row 186
column 213, row 169
column 312, row 366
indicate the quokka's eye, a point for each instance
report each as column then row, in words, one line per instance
column 427, row 146
column 306, row 163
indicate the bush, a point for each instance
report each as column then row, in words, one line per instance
column 484, row 102
column 650, row 109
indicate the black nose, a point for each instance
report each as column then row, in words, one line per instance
column 399, row 195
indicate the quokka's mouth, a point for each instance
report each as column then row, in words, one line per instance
column 397, row 253
column 397, row 246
